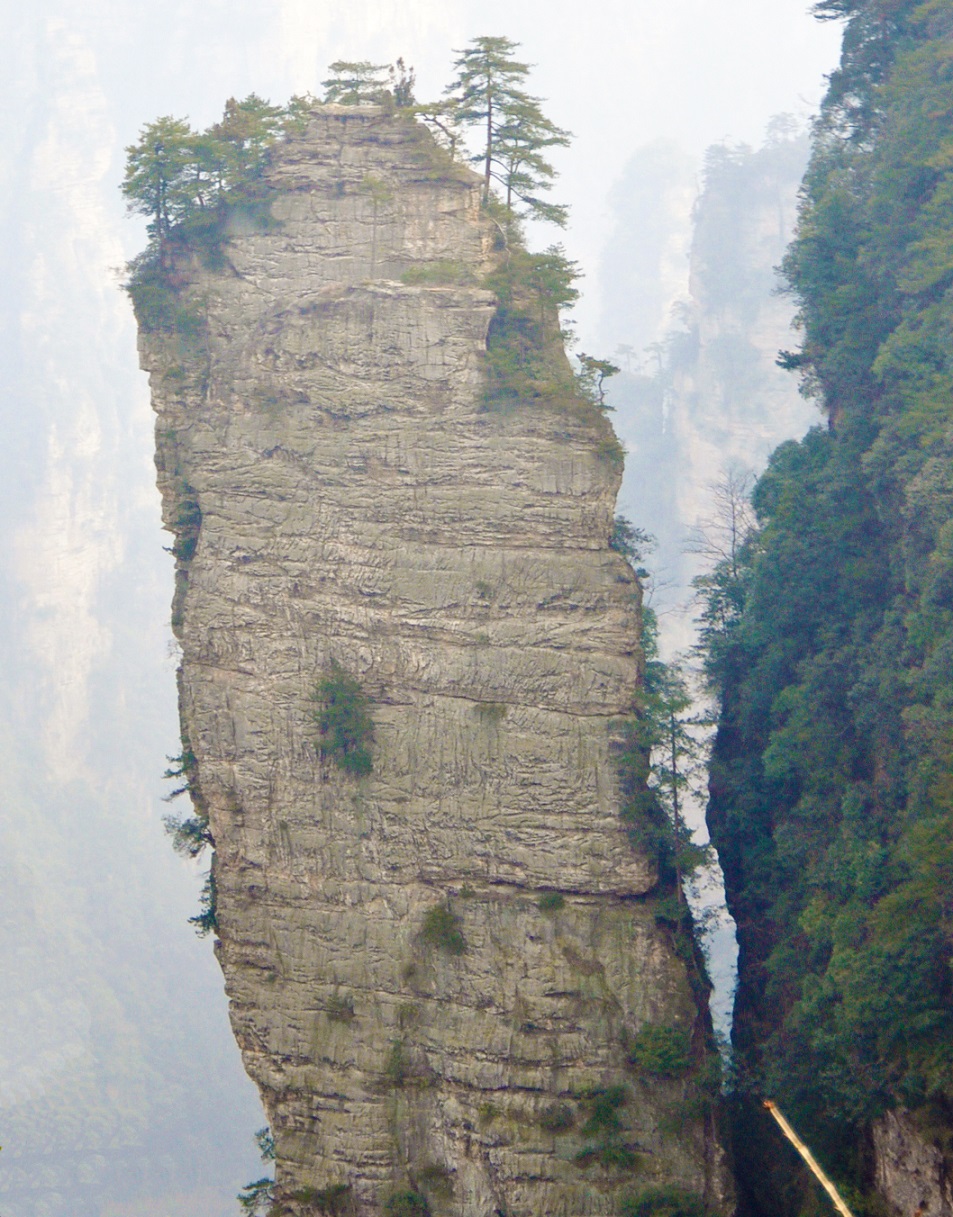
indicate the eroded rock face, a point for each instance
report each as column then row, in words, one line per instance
column 325, row 450
column 912, row 1174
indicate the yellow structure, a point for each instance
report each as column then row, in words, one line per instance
column 808, row 1158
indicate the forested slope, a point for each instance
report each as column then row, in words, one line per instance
column 830, row 643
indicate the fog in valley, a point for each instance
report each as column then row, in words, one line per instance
column 121, row 1089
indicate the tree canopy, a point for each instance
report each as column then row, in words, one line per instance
column 487, row 94
column 176, row 176
column 355, row 83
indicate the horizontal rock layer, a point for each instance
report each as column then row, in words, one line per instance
column 323, row 419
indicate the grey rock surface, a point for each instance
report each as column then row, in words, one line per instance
column 912, row 1172
column 361, row 504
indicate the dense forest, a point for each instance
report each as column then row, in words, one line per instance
column 829, row 643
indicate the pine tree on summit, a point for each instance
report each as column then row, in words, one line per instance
column 158, row 176
column 355, row 82
column 487, row 93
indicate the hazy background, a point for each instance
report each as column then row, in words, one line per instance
column 121, row 1091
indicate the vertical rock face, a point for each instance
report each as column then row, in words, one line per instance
column 342, row 494
column 912, row 1171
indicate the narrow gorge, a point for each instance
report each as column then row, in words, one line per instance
column 456, row 979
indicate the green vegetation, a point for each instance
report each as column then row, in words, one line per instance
column 257, row 1198
column 191, row 835
column 206, row 919
column 340, row 1008
column 665, row 1052
column 188, row 183
column 604, row 1128
column 664, row 1202
column 487, row 95
column 450, row 273
column 492, row 712
column 632, row 543
column 524, row 356
column 345, row 726
column 659, row 754
column 436, row 1179
column 187, row 524
column 557, row 1118
column 192, row 186
column 177, row 176
column 830, row 641
column 550, row 902
column 157, row 307
column 355, row 83
column 407, row 1204
column 442, row 929
column 396, row 1069
column 187, row 527
column 266, row 1144
column 592, row 376
column 331, row 1201
column 362, row 83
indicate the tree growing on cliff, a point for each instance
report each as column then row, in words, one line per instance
column 487, row 95
column 160, row 180
column 257, row 1198
column 355, row 82
column 660, row 752
column 592, row 375
column 179, row 177
column 345, row 726
column 401, row 80
column 668, row 728
column 531, row 290
column 247, row 131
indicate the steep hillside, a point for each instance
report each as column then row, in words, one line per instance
column 406, row 650
column 830, row 643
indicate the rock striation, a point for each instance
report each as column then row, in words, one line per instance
column 342, row 494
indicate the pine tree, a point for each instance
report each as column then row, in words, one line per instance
column 670, row 732
column 356, row 83
column 159, row 180
column 401, row 81
column 487, row 94
column 247, row 131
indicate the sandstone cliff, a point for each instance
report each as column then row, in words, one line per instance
column 342, row 494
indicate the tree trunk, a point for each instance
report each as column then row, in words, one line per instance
column 489, row 143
